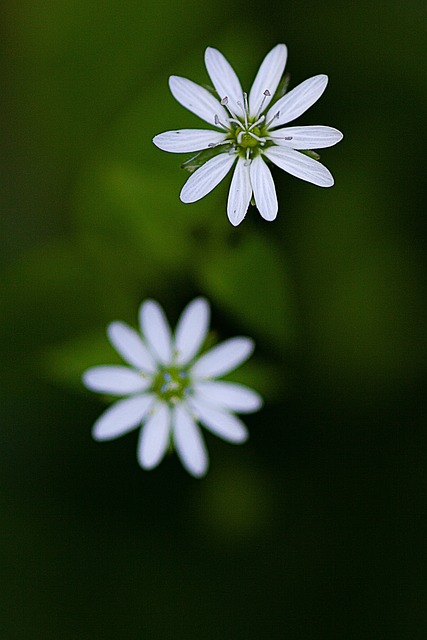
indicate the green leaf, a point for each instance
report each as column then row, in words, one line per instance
column 138, row 214
column 250, row 281
column 66, row 363
column 58, row 288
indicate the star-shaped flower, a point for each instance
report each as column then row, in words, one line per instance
column 169, row 389
column 249, row 130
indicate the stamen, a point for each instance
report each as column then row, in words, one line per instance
column 247, row 161
column 236, row 121
column 239, row 137
column 225, row 104
column 244, row 108
column 273, row 118
column 245, row 98
column 218, row 123
column 266, row 94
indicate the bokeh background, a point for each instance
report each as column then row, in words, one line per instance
column 315, row 528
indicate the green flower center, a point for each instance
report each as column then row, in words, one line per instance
column 248, row 135
column 245, row 140
column 171, row 384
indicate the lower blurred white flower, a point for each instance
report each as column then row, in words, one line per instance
column 169, row 390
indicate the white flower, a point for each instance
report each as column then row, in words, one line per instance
column 168, row 390
column 250, row 131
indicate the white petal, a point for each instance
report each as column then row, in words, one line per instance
column 229, row 395
column 267, row 78
column 297, row 101
column 156, row 331
column 122, row 417
column 300, row 166
column 188, row 140
column 130, row 346
column 154, row 437
column 223, row 358
column 312, row 137
column 224, row 79
column 189, row 443
column 197, row 99
column 191, row 330
column 207, row 177
column 240, row 193
column 264, row 189
column 115, row 380
column 220, row 422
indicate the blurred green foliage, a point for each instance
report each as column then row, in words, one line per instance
column 316, row 527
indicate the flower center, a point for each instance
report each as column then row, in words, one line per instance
column 246, row 139
column 248, row 135
column 171, row 384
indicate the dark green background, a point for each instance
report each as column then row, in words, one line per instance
column 314, row 529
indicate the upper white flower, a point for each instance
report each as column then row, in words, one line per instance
column 249, row 130
column 169, row 390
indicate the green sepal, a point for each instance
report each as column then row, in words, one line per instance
column 209, row 88
column 310, row 154
column 200, row 158
column 282, row 87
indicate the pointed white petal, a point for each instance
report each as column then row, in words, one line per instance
column 191, row 330
column 128, row 343
column 220, row 422
column 229, row 395
column 264, row 189
column 197, row 99
column 189, row 442
column 297, row 101
column 267, row 78
column 188, row 140
column 155, row 329
column 300, row 166
column 115, row 380
column 122, row 417
column 154, row 437
column 210, row 174
column 223, row 358
column 224, row 79
column 240, row 193
column 312, row 137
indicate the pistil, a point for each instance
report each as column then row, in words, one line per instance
column 171, row 384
